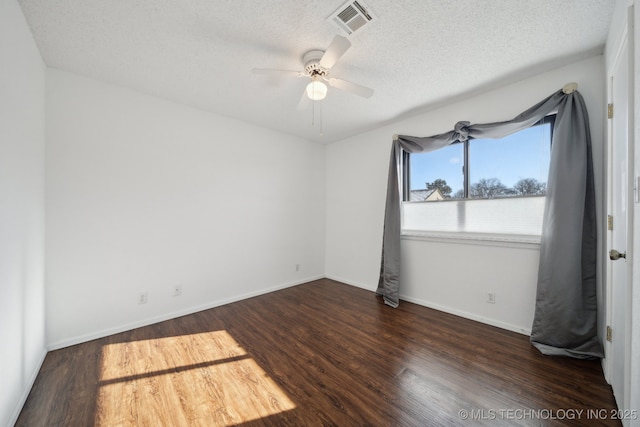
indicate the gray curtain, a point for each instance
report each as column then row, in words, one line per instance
column 565, row 316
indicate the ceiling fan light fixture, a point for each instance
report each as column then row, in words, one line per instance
column 316, row 90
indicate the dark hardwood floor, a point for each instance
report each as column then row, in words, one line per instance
column 322, row 353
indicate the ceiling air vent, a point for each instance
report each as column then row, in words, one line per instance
column 351, row 16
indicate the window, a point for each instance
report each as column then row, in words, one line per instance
column 516, row 165
column 480, row 186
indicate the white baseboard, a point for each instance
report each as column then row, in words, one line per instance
column 470, row 316
column 352, row 283
column 172, row 315
column 217, row 303
column 445, row 309
column 27, row 388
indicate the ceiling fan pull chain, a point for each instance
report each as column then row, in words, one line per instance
column 320, row 118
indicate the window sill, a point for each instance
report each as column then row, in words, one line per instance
column 483, row 239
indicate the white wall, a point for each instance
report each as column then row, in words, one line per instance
column 451, row 276
column 22, row 293
column 144, row 194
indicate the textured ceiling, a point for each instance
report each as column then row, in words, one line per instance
column 418, row 52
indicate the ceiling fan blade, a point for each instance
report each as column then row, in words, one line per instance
column 304, row 102
column 274, row 72
column 346, row 86
column 336, row 49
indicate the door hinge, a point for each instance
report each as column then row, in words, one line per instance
column 610, row 111
column 609, row 222
column 609, row 333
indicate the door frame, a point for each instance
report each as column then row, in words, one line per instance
column 626, row 41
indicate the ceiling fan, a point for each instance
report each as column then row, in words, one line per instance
column 317, row 67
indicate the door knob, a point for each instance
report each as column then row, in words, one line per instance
column 614, row 255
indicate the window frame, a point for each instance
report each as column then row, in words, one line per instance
column 406, row 167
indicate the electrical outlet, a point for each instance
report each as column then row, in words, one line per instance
column 297, row 267
column 491, row 297
column 143, row 298
column 177, row 290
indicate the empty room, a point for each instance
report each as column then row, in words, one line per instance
column 301, row 213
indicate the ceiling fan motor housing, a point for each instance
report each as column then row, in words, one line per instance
column 311, row 61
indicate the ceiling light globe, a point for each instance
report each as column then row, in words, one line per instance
column 316, row 90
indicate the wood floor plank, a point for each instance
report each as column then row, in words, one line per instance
column 319, row 354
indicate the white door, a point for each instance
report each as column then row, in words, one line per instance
column 620, row 207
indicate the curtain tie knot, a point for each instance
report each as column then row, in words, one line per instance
column 461, row 131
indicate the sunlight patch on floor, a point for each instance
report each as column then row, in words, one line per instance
column 199, row 379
